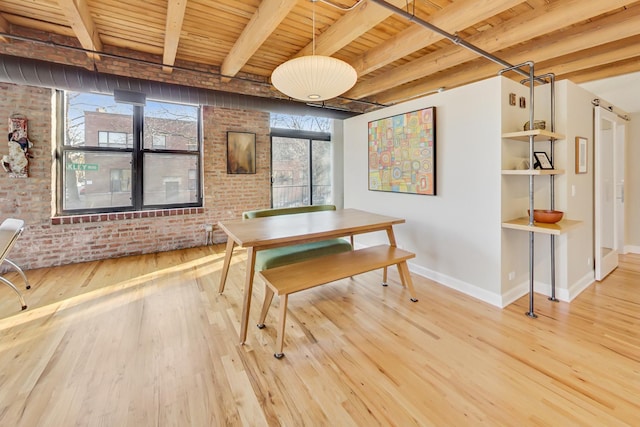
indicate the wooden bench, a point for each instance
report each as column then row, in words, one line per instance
column 292, row 278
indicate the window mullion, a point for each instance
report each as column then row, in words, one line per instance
column 138, row 157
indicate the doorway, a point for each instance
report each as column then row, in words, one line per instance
column 609, row 146
column 301, row 168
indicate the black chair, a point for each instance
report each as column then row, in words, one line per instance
column 10, row 230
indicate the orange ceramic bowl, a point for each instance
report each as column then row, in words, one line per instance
column 547, row 216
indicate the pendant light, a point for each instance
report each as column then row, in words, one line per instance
column 314, row 77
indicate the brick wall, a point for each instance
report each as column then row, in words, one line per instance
column 117, row 62
column 95, row 237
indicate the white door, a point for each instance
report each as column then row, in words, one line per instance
column 608, row 185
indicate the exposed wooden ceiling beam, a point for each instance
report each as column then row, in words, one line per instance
column 455, row 17
column 613, row 69
column 623, row 25
column 42, row 26
column 4, row 27
column 264, row 22
column 589, row 58
column 526, row 26
column 80, row 20
column 612, row 28
column 173, row 27
column 349, row 27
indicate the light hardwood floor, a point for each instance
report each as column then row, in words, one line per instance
column 147, row 340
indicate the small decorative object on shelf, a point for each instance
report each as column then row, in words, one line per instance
column 537, row 124
column 522, row 164
column 546, row 216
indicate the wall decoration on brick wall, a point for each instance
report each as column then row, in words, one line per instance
column 241, row 152
column 402, row 153
column 16, row 163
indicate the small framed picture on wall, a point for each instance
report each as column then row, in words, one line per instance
column 241, row 152
column 581, row 154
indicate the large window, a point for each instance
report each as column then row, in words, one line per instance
column 301, row 160
column 118, row 157
column 302, row 168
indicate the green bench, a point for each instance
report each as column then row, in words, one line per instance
column 271, row 258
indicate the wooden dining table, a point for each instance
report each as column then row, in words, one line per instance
column 283, row 230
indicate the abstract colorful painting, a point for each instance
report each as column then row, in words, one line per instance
column 402, row 153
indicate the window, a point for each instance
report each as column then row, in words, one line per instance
column 301, row 160
column 114, row 139
column 301, row 169
column 117, row 157
column 193, row 179
column 120, row 180
column 159, row 141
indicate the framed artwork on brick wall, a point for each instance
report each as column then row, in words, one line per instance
column 402, row 153
column 241, row 152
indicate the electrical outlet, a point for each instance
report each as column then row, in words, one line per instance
column 512, row 275
column 589, row 262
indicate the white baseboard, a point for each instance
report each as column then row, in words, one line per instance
column 538, row 287
column 515, row 293
column 458, row 285
column 582, row 284
column 632, row 249
column 502, row 300
column 562, row 294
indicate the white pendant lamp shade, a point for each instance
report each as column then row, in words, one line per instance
column 314, row 78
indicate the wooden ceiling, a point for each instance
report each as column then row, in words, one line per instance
column 396, row 59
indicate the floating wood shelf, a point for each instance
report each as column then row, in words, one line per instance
column 557, row 229
column 538, row 134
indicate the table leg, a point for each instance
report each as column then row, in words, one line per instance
column 225, row 266
column 248, row 289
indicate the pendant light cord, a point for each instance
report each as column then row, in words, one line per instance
column 313, row 28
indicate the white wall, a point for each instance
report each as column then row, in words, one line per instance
column 455, row 234
column 632, row 185
column 576, row 190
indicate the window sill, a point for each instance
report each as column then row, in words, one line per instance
column 118, row 216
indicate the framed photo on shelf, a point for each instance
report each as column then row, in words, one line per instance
column 542, row 160
column 581, row 154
